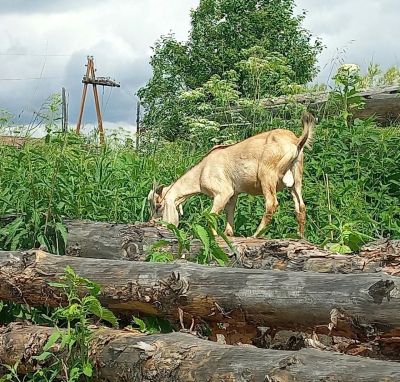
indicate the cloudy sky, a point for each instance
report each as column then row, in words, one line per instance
column 44, row 44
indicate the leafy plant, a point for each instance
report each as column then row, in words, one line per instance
column 182, row 237
column 348, row 238
column 348, row 84
column 66, row 352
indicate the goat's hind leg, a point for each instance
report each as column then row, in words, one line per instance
column 300, row 210
column 299, row 205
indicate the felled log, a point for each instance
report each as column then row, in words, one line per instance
column 123, row 356
column 134, row 242
column 117, row 241
column 382, row 102
column 236, row 301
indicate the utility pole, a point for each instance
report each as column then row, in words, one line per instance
column 90, row 78
column 64, row 120
column 137, row 125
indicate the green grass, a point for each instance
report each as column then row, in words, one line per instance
column 67, row 178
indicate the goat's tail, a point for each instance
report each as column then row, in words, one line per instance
column 308, row 122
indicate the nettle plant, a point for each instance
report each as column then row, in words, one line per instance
column 65, row 355
column 348, row 82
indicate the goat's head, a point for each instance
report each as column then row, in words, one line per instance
column 161, row 207
column 156, row 201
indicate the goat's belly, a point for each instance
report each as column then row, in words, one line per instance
column 252, row 188
column 245, row 178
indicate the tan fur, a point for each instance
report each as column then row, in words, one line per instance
column 260, row 165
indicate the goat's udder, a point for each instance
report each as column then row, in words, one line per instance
column 288, row 179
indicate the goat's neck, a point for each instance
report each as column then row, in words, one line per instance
column 187, row 185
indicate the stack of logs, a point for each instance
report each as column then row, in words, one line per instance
column 285, row 310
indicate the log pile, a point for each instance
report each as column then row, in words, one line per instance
column 277, row 296
column 241, row 304
column 123, row 356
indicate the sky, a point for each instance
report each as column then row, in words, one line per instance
column 44, row 45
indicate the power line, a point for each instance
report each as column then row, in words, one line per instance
column 35, row 54
column 33, row 78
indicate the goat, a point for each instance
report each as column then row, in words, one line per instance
column 260, row 165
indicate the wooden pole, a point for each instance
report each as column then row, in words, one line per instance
column 137, row 125
column 90, row 78
column 82, row 107
column 64, row 111
column 97, row 104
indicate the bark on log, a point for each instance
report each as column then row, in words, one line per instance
column 123, row 356
column 236, row 301
column 133, row 242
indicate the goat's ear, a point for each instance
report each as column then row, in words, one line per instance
column 159, row 189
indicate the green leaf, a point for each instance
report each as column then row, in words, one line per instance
column 63, row 231
column 340, row 248
column 94, row 307
column 88, row 370
column 219, row 255
column 74, row 374
column 42, row 356
column 140, row 323
column 51, row 340
column 159, row 244
column 204, row 237
column 65, row 339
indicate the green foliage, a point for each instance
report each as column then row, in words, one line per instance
column 157, row 254
column 223, row 29
column 10, row 311
column 111, row 184
column 376, row 77
column 151, row 325
column 65, row 355
column 79, row 308
column 348, row 84
column 348, row 238
column 237, row 50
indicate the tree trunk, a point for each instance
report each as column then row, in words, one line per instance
column 133, row 242
column 124, row 356
column 235, row 301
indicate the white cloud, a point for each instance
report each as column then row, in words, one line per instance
column 357, row 31
column 120, row 33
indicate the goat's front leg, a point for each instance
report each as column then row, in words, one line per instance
column 220, row 201
column 230, row 214
column 271, row 205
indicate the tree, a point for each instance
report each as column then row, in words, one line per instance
column 259, row 39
